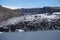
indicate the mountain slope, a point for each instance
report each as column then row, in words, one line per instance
column 49, row 10
column 6, row 13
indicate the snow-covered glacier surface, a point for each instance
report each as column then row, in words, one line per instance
column 37, row 35
column 37, row 17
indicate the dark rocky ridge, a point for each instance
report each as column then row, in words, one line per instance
column 49, row 10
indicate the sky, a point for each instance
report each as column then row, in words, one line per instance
column 13, row 4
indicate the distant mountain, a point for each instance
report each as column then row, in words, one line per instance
column 39, row 10
column 6, row 13
column 52, row 9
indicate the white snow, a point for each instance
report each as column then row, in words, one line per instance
column 1, row 32
column 39, row 18
column 19, row 30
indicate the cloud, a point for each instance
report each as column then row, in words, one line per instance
column 14, row 7
column 11, row 7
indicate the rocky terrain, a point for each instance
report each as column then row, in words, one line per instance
column 42, row 10
column 13, row 19
column 6, row 13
